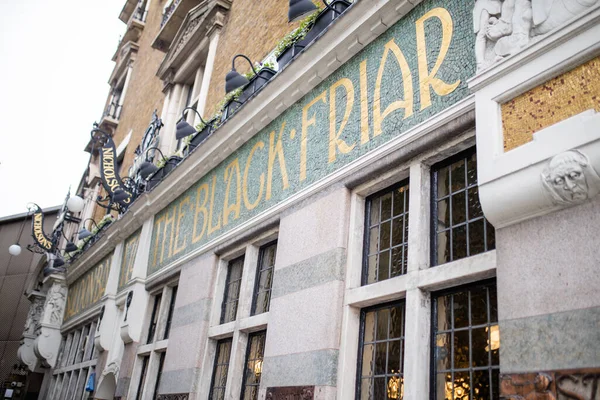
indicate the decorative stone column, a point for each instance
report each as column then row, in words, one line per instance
column 47, row 342
column 26, row 353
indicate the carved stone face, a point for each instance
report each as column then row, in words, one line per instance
column 568, row 180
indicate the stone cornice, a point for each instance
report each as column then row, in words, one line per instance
column 128, row 53
column 356, row 28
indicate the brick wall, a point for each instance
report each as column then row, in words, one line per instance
column 253, row 29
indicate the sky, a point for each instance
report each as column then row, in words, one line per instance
column 55, row 61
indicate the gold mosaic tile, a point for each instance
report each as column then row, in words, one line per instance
column 553, row 101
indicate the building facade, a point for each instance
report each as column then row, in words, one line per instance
column 18, row 275
column 400, row 203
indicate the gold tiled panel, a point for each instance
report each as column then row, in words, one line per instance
column 553, row 101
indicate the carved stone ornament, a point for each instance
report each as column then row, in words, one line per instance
column 569, row 178
column 552, row 385
column 187, row 33
column 55, row 304
column 48, row 336
column 503, row 27
column 35, row 314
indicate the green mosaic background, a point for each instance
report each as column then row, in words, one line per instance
column 88, row 289
column 128, row 258
column 459, row 64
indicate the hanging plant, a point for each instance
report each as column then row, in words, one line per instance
column 297, row 34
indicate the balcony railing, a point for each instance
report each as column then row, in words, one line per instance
column 113, row 111
column 168, row 11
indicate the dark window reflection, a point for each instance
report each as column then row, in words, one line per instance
column 232, row 290
column 382, row 353
column 219, row 378
column 467, row 344
column 254, row 364
column 386, row 234
column 460, row 229
column 264, row 279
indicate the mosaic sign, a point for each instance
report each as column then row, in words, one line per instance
column 128, row 258
column 414, row 70
column 88, row 289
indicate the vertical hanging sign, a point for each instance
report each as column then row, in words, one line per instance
column 37, row 230
column 108, row 172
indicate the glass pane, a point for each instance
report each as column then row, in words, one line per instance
column 481, row 385
column 262, row 302
column 373, row 240
column 396, row 322
column 374, row 211
column 443, row 214
column 366, row 388
column 494, row 344
column 382, row 324
column 443, row 247
column 397, row 231
column 384, row 241
column 397, row 262
column 480, row 346
column 459, row 212
column 491, row 237
column 443, row 182
column 476, row 237
column 495, row 384
column 458, row 175
column 462, row 386
column 380, row 391
column 384, row 266
column 386, row 206
column 369, row 327
column 394, row 365
column 472, row 169
column 251, row 393
column 461, row 310
column 493, row 304
column 444, row 313
column 380, row 358
column 459, row 242
column 461, row 349
column 443, row 386
column 443, row 351
column 372, row 269
column 474, row 205
column 478, row 306
column 368, row 360
column 265, row 280
column 399, row 200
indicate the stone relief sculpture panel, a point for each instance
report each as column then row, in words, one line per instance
column 551, row 385
column 55, row 304
column 35, row 314
column 505, row 26
column 570, row 179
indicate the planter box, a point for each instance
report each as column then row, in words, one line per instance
column 285, row 57
column 162, row 172
column 324, row 19
column 256, row 83
column 202, row 135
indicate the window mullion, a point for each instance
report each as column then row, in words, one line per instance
column 417, row 344
column 419, row 217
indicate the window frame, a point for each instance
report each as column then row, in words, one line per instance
column 361, row 337
column 226, row 300
column 246, row 360
column 367, row 227
column 433, row 212
column 487, row 283
column 216, row 365
column 259, row 264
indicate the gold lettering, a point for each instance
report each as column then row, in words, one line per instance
column 157, row 223
column 276, row 151
column 407, row 103
column 427, row 79
column 247, row 203
column 216, row 227
column 335, row 142
column 169, row 221
column 233, row 167
column 200, row 209
column 181, row 215
column 306, row 122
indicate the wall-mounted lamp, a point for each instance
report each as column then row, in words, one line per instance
column 234, row 79
column 75, row 204
column 15, row 249
column 84, row 233
column 184, row 129
column 147, row 168
column 300, row 9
